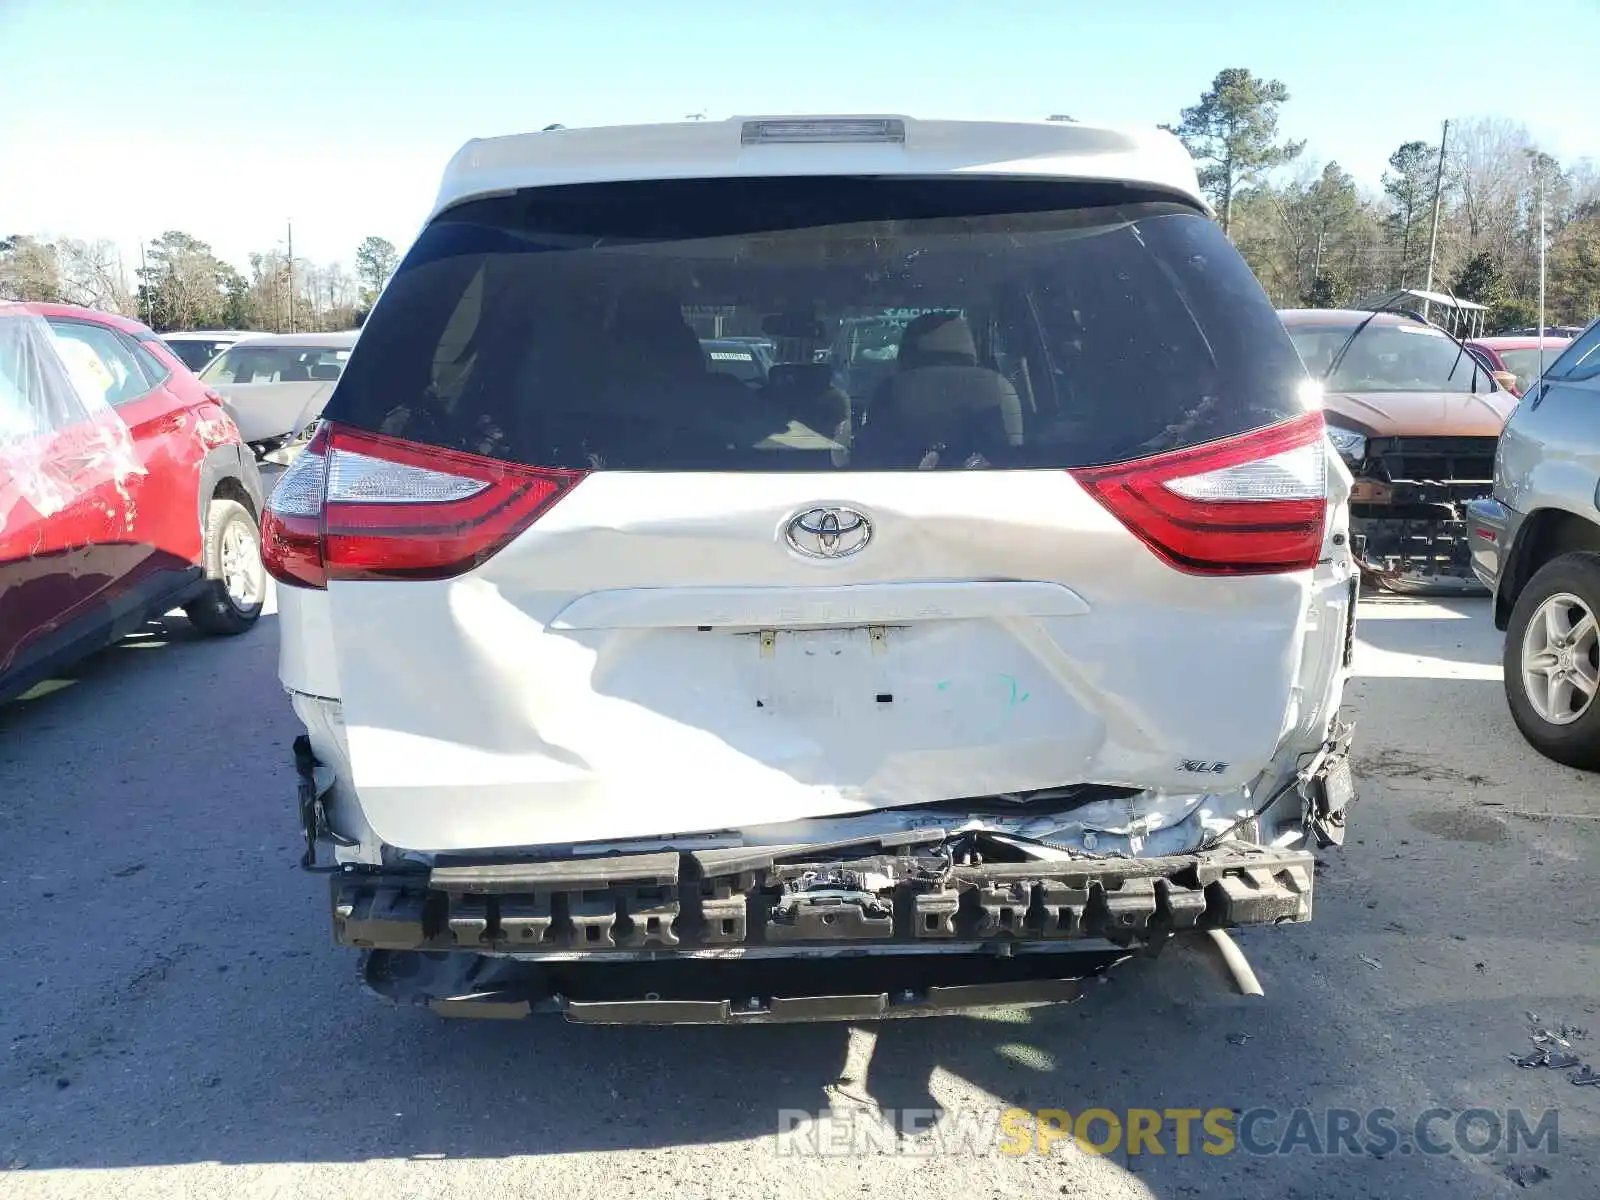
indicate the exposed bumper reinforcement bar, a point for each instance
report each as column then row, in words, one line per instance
column 864, row 897
column 918, row 925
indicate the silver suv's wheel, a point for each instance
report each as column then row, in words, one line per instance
column 1552, row 660
column 1560, row 670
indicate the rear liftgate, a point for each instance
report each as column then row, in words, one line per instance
column 911, row 925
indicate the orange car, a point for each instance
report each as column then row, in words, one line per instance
column 1415, row 415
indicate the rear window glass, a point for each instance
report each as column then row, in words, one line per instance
column 276, row 364
column 1581, row 358
column 1525, row 364
column 194, row 353
column 891, row 325
column 1388, row 358
column 740, row 360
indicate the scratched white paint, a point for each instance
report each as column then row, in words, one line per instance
column 1028, row 641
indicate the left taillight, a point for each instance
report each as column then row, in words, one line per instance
column 359, row 505
column 291, row 522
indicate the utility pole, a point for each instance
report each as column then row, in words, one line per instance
column 1316, row 266
column 144, row 290
column 291, row 275
column 1433, row 235
column 1538, row 165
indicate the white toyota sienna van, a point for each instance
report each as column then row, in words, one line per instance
column 992, row 613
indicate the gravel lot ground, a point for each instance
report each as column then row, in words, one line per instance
column 176, row 1021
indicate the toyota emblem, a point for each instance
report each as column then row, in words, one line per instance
column 829, row 532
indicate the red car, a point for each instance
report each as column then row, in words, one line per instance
column 124, row 492
column 1518, row 355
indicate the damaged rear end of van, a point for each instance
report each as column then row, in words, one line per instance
column 639, row 685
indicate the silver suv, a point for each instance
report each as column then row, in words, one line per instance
column 1536, row 546
column 835, row 697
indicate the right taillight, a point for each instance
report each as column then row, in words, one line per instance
column 1251, row 505
column 359, row 505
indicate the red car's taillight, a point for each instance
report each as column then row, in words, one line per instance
column 1250, row 505
column 358, row 505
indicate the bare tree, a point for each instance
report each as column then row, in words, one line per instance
column 308, row 303
column 269, row 290
column 1585, row 178
column 342, row 295
column 1489, row 171
column 92, row 275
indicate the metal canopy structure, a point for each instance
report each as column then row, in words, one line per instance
column 1464, row 318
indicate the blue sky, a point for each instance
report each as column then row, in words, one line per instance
column 224, row 119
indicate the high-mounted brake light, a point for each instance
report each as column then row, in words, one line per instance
column 1249, row 505
column 824, row 129
column 358, row 505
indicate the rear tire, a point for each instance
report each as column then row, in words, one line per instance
column 235, row 579
column 1552, row 658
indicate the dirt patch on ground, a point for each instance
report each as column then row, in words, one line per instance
column 1460, row 825
column 1390, row 763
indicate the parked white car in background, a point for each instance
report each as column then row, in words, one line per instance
column 274, row 386
column 196, row 347
column 604, row 657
